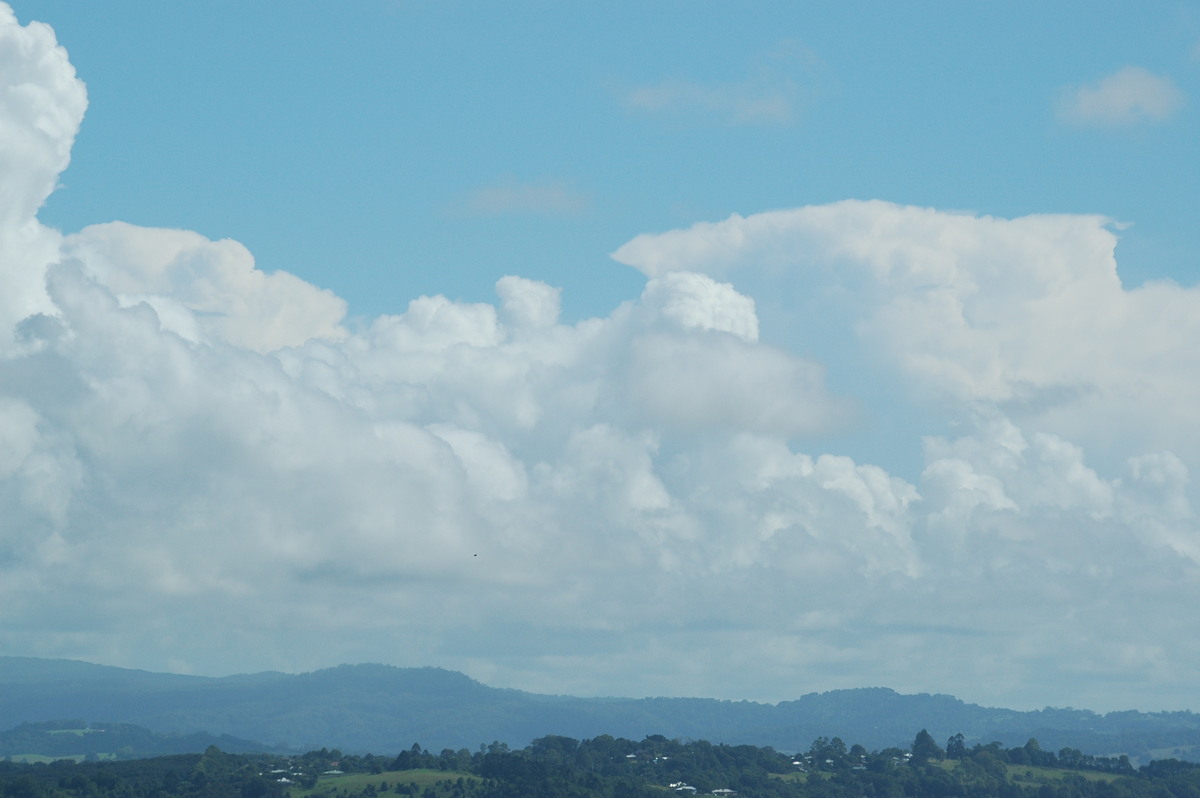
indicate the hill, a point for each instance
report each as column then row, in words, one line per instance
column 383, row 708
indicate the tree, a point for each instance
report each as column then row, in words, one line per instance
column 411, row 759
column 956, row 747
column 925, row 749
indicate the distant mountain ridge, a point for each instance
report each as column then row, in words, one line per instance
column 384, row 709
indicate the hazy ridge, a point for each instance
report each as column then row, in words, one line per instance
column 385, row 709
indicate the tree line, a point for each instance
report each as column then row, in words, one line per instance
column 614, row 767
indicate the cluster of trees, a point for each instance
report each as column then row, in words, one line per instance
column 214, row 774
column 607, row 767
column 1032, row 754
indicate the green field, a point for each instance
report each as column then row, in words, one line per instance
column 1030, row 775
column 1175, row 752
column 1025, row 775
column 31, row 759
column 795, row 775
column 355, row 782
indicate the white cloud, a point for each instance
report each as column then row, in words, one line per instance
column 697, row 382
column 1130, row 95
column 196, row 284
column 42, row 104
column 1072, row 394
column 528, row 303
column 696, row 302
column 1028, row 313
column 199, row 467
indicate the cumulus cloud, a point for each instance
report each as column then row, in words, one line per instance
column 696, row 302
column 200, row 468
column 42, row 103
column 1071, row 393
column 1028, row 314
column 1131, row 95
column 212, row 286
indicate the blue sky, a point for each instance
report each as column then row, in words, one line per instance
column 645, row 349
column 345, row 146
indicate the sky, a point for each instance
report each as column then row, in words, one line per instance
column 640, row 349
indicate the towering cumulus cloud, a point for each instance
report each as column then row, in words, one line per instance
column 41, row 105
column 201, row 468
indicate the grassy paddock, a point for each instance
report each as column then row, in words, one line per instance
column 1024, row 775
column 794, row 775
column 1176, row 752
column 354, row 782
column 33, row 759
column 1030, row 775
column 30, row 759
